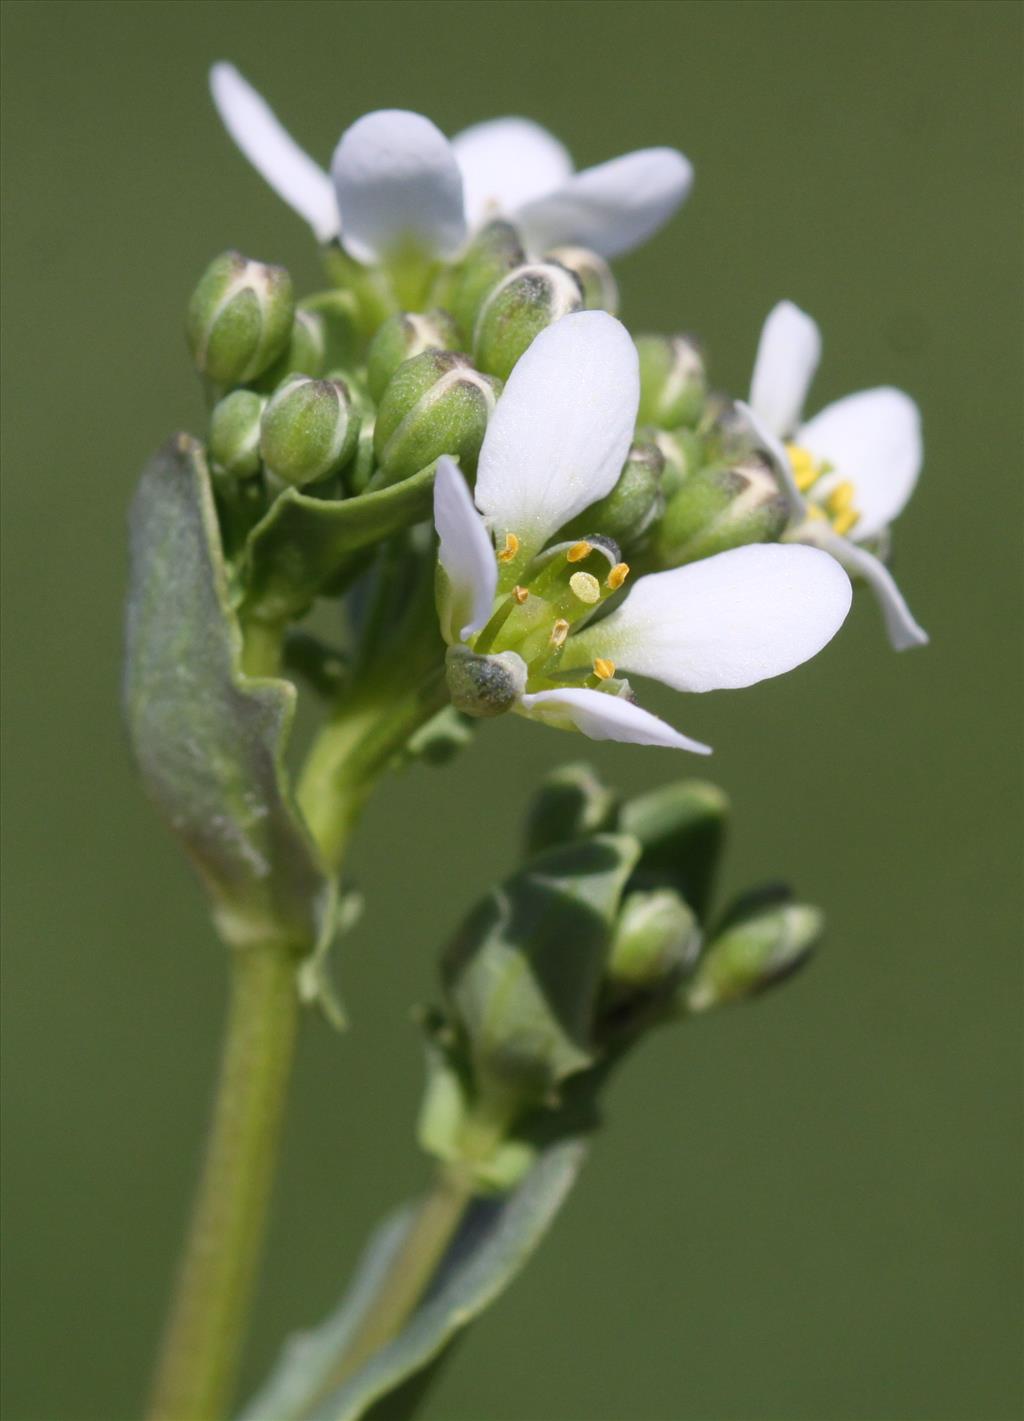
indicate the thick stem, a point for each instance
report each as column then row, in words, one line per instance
column 205, row 1328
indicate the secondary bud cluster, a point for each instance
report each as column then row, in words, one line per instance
column 602, row 934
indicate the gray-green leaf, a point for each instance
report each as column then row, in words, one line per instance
column 304, row 544
column 208, row 739
column 495, row 1241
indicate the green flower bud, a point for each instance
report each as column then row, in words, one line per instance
column 572, row 803
column 682, row 450
column 626, row 513
column 493, row 253
column 755, row 953
column 400, row 338
column 600, row 289
column 441, row 739
column 519, row 308
column 303, row 355
column 672, row 381
column 656, row 939
column 681, row 828
column 235, row 433
column 434, row 404
column 719, row 508
column 484, row 686
column 239, row 318
column 309, row 430
column 338, row 314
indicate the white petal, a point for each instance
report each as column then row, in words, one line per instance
column 274, row 154
column 562, row 428
column 772, row 446
column 611, row 208
column 873, row 439
column 466, row 553
column 397, row 181
column 731, row 620
column 506, row 163
column 604, row 717
column 787, row 357
column 904, row 632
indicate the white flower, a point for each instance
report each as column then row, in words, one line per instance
column 849, row 471
column 396, row 178
column 556, row 444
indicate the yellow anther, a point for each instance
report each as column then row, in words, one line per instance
column 806, row 469
column 841, row 498
column 604, row 669
column 586, row 587
column 559, row 632
column 508, row 552
column 520, row 594
column 579, row 551
column 617, row 576
column 813, row 511
column 843, row 522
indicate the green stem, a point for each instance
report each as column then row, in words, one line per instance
column 204, row 1332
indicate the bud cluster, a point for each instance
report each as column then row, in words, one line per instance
column 603, row 933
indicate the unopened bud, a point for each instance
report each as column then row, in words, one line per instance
column 600, row 289
column 625, row 514
column 717, row 509
column 303, row 355
column 309, row 430
column 493, row 253
column 570, row 804
column 338, row 314
column 682, row 450
column 656, row 939
column 235, row 433
column 755, row 953
column 400, row 338
column 672, row 381
column 484, row 686
column 681, row 828
column 436, row 403
column 524, row 304
column 239, row 318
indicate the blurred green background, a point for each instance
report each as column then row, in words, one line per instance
column 806, row 1209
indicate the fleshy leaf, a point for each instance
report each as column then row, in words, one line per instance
column 208, row 739
column 497, row 1237
column 304, row 544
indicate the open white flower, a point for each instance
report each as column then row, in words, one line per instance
column 848, row 471
column 519, row 617
column 395, row 178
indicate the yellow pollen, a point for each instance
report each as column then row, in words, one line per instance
column 617, row 576
column 508, row 552
column 559, row 632
column 603, row 668
column 843, row 522
column 840, row 499
column 806, row 469
column 520, row 594
column 813, row 511
column 579, row 551
column 586, row 587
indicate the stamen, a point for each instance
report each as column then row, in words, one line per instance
column 617, row 576
column 603, row 668
column 579, row 551
column 844, row 521
column 806, row 471
column 520, row 594
column 586, row 587
column 841, row 498
column 559, row 632
column 508, row 552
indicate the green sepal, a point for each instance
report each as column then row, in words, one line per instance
column 522, row 974
column 304, row 543
column 209, row 740
column 571, row 803
column 493, row 1245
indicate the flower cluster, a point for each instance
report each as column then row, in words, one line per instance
column 599, row 512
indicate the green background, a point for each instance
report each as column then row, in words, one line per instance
column 807, row 1209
